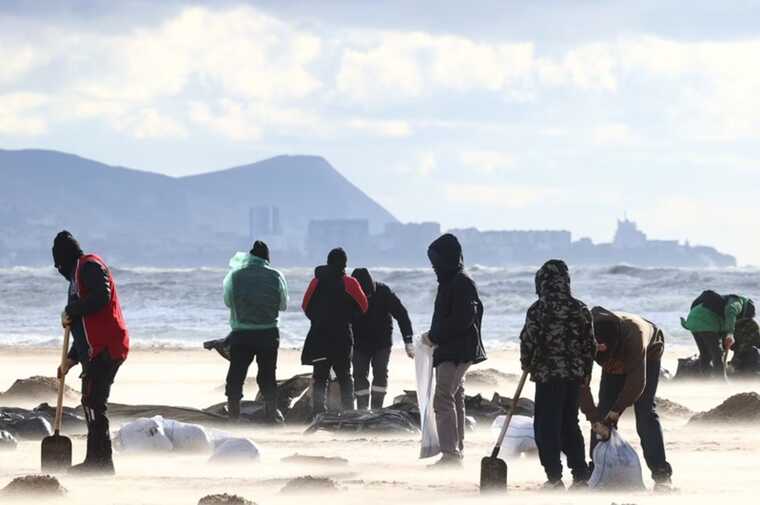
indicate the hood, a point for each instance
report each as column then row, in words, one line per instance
column 365, row 280
column 328, row 272
column 66, row 252
column 244, row 259
column 607, row 330
column 553, row 278
column 445, row 254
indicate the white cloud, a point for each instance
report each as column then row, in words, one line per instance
column 382, row 127
column 487, row 161
column 613, row 134
column 21, row 114
column 17, row 60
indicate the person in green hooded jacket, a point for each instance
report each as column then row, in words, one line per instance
column 255, row 294
column 712, row 320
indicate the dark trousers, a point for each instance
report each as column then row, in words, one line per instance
column 244, row 347
column 557, row 429
column 321, row 378
column 710, row 347
column 647, row 420
column 97, row 379
column 378, row 360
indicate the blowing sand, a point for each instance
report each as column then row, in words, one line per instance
column 713, row 463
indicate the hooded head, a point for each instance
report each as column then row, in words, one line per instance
column 365, row 280
column 553, row 278
column 260, row 249
column 445, row 254
column 66, row 252
column 749, row 310
column 337, row 259
column 607, row 331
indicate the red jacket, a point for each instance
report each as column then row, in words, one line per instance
column 104, row 329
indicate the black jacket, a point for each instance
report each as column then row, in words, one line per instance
column 331, row 302
column 458, row 311
column 374, row 330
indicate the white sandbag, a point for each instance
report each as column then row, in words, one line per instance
column 187, row 437
column 143, row 435
column 235, row 449
column 616, row 465
column 423, row 363
column 520, row 437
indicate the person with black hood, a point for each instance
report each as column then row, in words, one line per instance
column 629, row 350
column 373, row 339
column 100, row 342
column 255, row 293
column 455, row 335
column 331, row 302
column 557, row 348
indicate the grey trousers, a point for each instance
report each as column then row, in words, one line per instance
column 448, row 404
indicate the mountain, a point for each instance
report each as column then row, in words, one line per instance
column 140, row 217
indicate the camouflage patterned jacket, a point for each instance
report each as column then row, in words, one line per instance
column 747, row 335
column 557, row 342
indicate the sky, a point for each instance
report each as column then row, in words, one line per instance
column 495, row 114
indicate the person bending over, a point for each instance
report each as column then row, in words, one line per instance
column 629, row 350
column 557, row 348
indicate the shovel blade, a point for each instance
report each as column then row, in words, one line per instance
column 56, row 453
column 493, row 475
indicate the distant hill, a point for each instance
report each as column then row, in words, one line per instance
column 146, row 218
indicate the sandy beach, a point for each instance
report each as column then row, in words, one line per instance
column 711, row 463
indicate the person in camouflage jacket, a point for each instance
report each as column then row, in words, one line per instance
column 557, row 348
column 746, row 358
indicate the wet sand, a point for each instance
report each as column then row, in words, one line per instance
column 713, row 464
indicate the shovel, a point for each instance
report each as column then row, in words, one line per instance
column 493, row 471
column 56, row 449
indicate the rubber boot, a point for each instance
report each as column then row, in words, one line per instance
column 318, row 399
column 362, row 402
column 99, row 457
column 347, row 396
column 377, row 400
column 233, row 409
column 273, row 414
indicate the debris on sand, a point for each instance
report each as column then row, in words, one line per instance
column 315, row 460
column 309, row 484
column 224, row 499
column 377, row 421
column 38, row 485
column 670, row 408
column 7, row 441
column 37, row 388
column 488, row 377
column 741, row 408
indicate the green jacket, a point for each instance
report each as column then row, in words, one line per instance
column 701, row 319
column 255, row 293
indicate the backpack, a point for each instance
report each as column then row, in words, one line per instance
column 712, row 301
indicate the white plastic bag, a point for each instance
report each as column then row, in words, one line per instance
column 520, row 437
column 143, row 435
column 235, row 449
column 616, row 465
column 423, row 363
column 187, row 437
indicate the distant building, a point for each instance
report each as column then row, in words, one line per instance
column 325, row 234
column 628, row 236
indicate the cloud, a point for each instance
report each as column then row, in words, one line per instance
column 22, row 114
column 382, row 127
column 486, row 161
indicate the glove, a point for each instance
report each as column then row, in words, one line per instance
column 728, row 343
column 601, row 430
column 409, row 350
column 426, row 339
column 65, row 319
column 611, row 420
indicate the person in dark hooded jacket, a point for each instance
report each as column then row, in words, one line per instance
column 455, row 335
column 100, row 342
column 557, row 348
column 331, row 302
column 373, row 339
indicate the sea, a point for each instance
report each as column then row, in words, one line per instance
column 181, row 308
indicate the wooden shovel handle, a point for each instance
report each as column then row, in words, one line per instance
column 61, row 383
column 508, row 420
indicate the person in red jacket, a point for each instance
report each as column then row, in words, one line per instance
column 331, row 302
column 100, row 342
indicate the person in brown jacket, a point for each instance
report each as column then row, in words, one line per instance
column 629, row 350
